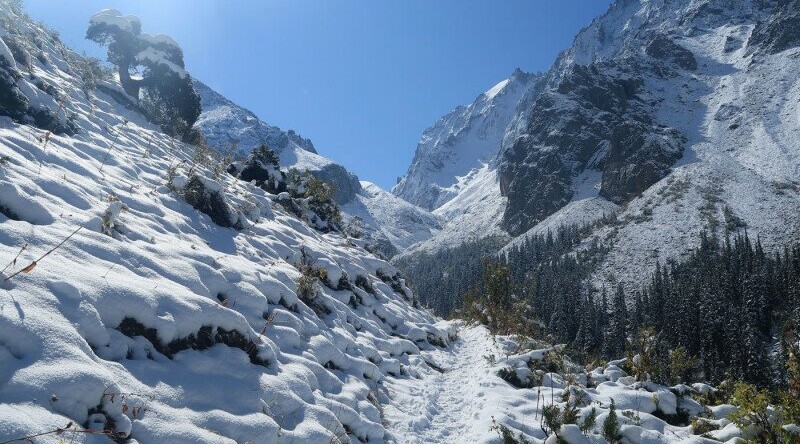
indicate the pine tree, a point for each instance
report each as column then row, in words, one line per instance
column 611, row 425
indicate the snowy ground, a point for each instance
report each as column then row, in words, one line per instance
column 448, row 406
column 465, row 400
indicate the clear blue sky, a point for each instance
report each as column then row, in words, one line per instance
column 361, row 78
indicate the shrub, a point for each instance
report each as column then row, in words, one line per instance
column 317, row 196
column 701, row 426
column 307, row 289
column 754, row 413
column 590, row 421
column 611, row 426
column 211, row 202
column 265, row 155
column 355, row 227
column 507, row 435
column 261, row 167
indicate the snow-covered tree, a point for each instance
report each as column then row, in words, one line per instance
column 164, row 86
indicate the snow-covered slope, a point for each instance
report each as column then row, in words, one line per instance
column 397, row 221
column 474, row 213
column 147, row 321
column 391, row 223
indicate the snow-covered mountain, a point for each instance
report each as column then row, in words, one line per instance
column 460, row 142
column 389, row 222
column 673, row 116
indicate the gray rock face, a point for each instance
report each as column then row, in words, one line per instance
column 345, row 184
column 663, row 48
column 593, row 118
column 780, row 31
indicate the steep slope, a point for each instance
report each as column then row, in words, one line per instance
column 395, row 220
column 474, row 213
column 131, row 316
column 389, row 222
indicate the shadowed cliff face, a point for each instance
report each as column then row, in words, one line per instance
column 595, row 117
column 345, row 184
column 780, row 31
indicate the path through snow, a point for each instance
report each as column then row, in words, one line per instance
column 446, row 407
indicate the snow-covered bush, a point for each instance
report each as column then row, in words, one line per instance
column 207, row 196
column 354, row 227
column 261, row 167
column 312, row 201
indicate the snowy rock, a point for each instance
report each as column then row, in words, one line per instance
column 722, row 411
column 572, row 434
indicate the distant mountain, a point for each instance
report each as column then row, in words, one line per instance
column 667, row 117
column 461, row 142
column 390, row 223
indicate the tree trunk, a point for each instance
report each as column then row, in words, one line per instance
column 130, row 85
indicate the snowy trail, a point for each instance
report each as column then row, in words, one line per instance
column 445, row 407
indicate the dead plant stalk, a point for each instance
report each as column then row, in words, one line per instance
column 33, row 264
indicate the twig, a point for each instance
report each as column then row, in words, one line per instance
column 33, row 264
column 14, row 261
column 103, row 164
column 59, row 431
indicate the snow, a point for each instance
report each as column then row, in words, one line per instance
column 454, row 406
column 112, row 17
column 159, row 57
column 474, row 213
column 492, row 92
column 461, row 142
column 6, row 54
column 398, row 221
column 159, row 39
